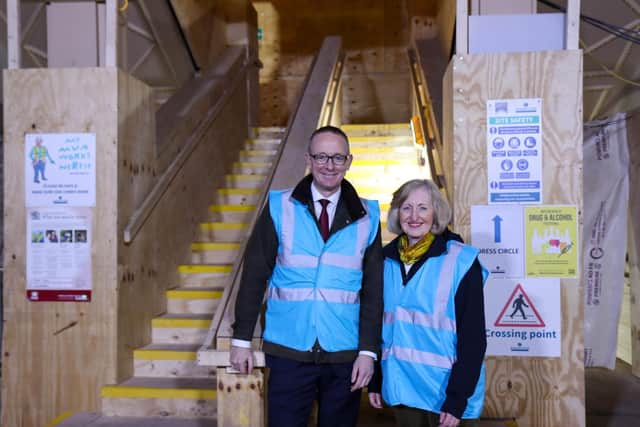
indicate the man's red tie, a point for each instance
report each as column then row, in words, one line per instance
column 324, row 219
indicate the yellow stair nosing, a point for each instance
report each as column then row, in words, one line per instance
column 407, row 149
column 262, row 140
column 258, row 152
column 138, row 392
column 214, row 246
column 157, row 354
column 223, row 225
column 380, row 162
column 380, row 138
column 246, row 176
column 252, row 164
column 231, row 208
column 400, row 125
column 204, row 268
column 241, row 191
column 193, row 294
column 60, row 418
column 173, row 322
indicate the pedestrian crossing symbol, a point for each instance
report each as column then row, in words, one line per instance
column 519, row 311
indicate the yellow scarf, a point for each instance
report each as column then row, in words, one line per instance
column 411, row 254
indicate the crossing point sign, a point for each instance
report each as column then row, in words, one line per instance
column 523, row 317
column 523, row 309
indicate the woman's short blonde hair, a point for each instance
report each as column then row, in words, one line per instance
column 441, row 209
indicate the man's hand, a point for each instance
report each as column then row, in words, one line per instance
column 362, row 372
column 448, row 420
column 241, row 359
column 375, row 399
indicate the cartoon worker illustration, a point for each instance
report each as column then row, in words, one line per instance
column 39, row 155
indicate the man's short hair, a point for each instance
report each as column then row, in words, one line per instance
column 441, row 209
column 330, row 129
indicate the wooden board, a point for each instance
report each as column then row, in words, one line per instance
column 538, row 391
column 241, row 399
column 56, row 355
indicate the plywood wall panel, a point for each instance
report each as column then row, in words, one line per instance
column 539, row 391
column 148, row 266
column 55, row 355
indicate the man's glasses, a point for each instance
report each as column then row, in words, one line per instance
column 322, row 158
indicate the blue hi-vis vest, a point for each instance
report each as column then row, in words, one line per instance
column 314, row 290
column 419, row 331
column 39, row 153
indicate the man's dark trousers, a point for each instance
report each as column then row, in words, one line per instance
column 293, row 386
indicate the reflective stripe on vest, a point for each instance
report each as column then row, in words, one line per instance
column 417, row 356
column 438, row 319
column 288, row 259
column 307, row 294
column 419, row 318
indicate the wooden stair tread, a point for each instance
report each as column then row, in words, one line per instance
column 169, row 383
column 170, row 347
column 193, row 316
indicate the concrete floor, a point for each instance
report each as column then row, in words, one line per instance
column 612, row 397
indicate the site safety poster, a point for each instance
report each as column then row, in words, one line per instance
column 59, row 254
column 514, row 151
column 523, row 318
column 551, row 234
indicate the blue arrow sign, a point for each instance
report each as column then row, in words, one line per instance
column 496, row 228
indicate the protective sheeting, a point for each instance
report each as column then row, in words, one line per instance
column 606, row 197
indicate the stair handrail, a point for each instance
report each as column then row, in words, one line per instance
column 331, row 99
column 140, row 215
column 330, row 45
column 426, row 120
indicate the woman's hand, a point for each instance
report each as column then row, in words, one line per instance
column 375, row 399
column 448, row 420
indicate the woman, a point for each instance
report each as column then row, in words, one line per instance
column 432, row 369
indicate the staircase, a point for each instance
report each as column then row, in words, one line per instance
column 168, row 387
column 384, row 157
column 167, row 381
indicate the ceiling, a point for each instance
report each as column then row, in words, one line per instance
column 618, row 89
column 611, row 64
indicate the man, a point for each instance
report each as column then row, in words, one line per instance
column 39, row 155
column 324, row 297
